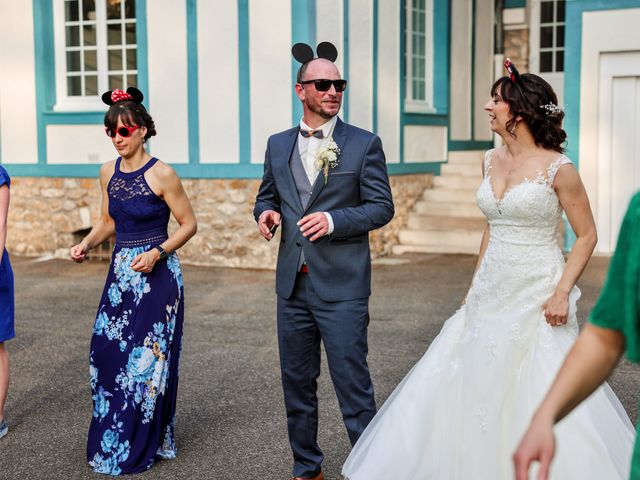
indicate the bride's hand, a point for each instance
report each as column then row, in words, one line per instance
column 556, row 309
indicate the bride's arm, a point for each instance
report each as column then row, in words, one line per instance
column 574, row 201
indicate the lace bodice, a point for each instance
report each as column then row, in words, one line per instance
column 132, row 204
column 529, row 213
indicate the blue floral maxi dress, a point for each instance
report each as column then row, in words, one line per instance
column 7, row 331
column 137, row 335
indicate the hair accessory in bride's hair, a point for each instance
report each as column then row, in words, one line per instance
column 514, row 75
column 303, row 53
column 132, row 94
column 551, row 109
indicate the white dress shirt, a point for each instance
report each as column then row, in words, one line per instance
column 308, row 147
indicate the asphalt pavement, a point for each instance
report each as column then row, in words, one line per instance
column 231, row 423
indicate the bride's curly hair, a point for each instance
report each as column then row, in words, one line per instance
column 534, row 100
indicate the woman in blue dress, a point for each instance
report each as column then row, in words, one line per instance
column 6, row 298
column 137, row 334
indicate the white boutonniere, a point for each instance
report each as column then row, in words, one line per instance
column 327, row 158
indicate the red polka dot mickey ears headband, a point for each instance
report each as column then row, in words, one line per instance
column 114, row 96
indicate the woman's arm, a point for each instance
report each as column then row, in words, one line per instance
column 4, row 213
column 589, row 363
column 169, row 187
column 574, row 201
column 104, row 227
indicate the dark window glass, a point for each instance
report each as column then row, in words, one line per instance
column 560, row 8
column 546, row 12
column 546, row 37
column 71, row 12
column 89, row 35
column 132, row 80
column 130, row 9
column 560, row 61
column 115, row 59
column 91, row 85
column 73, row 36
column 560, row 36
column 90, row 61
column 113, row 9
column 132, row 59
column 73, row 61
column 74, row 86
column 546, row 61
column 130, row 33
column 114, row 34
column 88, row 9
column 115, row 81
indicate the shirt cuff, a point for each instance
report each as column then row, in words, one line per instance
column 330, row 220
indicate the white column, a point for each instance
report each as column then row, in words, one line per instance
column 360, row 63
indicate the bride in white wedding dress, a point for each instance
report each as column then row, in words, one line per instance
column 460, row 412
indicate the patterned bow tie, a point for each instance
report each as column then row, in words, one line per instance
column 312, row 133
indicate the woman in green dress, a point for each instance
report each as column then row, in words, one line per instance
column 613, row 329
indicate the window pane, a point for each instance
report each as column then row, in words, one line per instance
column 560, row 61
column 91, row 85
column 130, row 33
column 560, row 6
column 113, row 9
column 546, row 37
column 129, row 9
column 73, row 36
column 90, row 61
column 132, row 59
column 73, row 61
column 88, row 9
column 132, row 80
column 71, row 11
column 114, row 34
column 560, row 36
column 546, row 61
column 89, row 32
column 115, row 81
column 416, row 4
column 546, row 12
column 115, row 59
column 74, row 86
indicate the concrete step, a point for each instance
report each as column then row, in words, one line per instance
column 474, row 157
column 457, row 209
column 465, row 169
column 440, row 222
column 446, row 195
column 457, row 181
column 456, row 240
column 402, row 249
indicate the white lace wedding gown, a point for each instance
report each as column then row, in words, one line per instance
column 461, row 411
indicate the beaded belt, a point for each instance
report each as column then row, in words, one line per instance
column 140, row 239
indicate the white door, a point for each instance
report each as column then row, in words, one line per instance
column 618, row 168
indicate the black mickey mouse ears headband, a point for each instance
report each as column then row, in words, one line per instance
column 303, row 53
column 114, row 96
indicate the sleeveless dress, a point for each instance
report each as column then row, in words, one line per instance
column 7, row 331
column 137, row 336
column 462, row 409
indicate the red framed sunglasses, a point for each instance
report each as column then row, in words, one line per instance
column 122, row 131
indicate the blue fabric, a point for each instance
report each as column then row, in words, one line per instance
column 135, row 348
column 358, row 197
column 7, row 308
column 304, row 320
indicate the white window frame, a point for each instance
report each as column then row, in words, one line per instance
column 65, row 102
column 412, row 105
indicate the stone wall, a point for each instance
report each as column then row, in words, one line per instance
column 516, row 47
column 45, row 213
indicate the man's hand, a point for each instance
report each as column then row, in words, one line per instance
column 315, row 224
column 266, row 221
column 538, row 444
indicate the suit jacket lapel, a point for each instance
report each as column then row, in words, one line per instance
column 286, row 157
column 340, row 137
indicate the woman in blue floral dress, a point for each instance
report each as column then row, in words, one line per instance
column 137, row 335
column 6, row 298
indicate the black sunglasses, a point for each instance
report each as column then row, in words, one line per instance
column 323, row 85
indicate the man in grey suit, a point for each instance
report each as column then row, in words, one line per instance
column 326, row 200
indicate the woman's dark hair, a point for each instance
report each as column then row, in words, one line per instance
column 533, row 99
column 131, row 113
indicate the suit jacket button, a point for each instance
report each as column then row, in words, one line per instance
column 298, row 244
